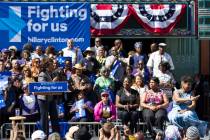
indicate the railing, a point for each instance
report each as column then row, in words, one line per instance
column 101, row 1
column 64, row 126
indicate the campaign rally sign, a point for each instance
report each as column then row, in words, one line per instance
column 42, row 87
column 4, row 77
column 44, row 24
column 61, row 61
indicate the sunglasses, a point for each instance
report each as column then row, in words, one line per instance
column 105, row 95
column 25, row 88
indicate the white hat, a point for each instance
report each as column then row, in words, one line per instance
column 89, row 49
column 172, row 132
column 69, row 135
column 162, row 44
column 38, row 134
column 13, row 48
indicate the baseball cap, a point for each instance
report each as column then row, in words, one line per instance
column 5, row 50
column 104, row 93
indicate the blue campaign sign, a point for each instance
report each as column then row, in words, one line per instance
column 42, row 87
column 61, row 60
column 4, row 77
column 44, row 24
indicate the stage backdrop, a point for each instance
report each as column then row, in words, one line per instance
column 44, row 24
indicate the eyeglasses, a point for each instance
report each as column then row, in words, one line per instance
column 105, row 95
column 25, row 88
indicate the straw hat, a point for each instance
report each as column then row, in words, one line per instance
column 78, row 66
column 54, row 136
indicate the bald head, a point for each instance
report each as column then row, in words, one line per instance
column 70, row 43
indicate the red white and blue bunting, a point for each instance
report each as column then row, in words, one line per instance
column 155, row 18
column 108, row 18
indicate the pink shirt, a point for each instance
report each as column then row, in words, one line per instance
column 154, row 98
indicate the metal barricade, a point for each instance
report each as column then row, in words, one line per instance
column 6, row 127
column 31, row 127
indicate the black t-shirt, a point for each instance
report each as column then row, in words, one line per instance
column 125, row 100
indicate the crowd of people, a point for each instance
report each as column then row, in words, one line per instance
column 105, row 85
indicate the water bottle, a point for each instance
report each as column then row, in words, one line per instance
column 17, row 112
column 68, row 75
column 59, row 110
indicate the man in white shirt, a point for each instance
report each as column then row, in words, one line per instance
column 157, row 57
column 73, row 52
column 114, row 63
column 98, row 44
column 38, row 53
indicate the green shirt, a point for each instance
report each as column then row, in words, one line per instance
column 103, row 83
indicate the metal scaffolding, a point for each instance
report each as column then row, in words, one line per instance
column 204, row 19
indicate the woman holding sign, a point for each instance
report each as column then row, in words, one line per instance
column 47, row 103
column 82, row 109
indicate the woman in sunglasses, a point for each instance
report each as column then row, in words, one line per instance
column 105, row 111
column 27, row 75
